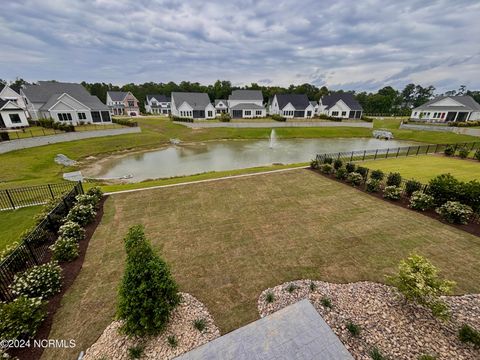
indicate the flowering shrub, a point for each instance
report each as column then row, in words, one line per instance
column 313, row 164
column 455, row 212
column 21, row 317
column 411, row 186
column 362, row 171
column 394, row 179
column 39, row 281
column 81, row 214
column 350, row 167
column 65, row 249
column 421, row 201
column 337, row 164
column 326, row 168
column 392, row 192
column 96, row 192
column 72, row 230
column 354, row 178
column 85, row 199
column 327, row 160
column 341, row 173
column 373, row 185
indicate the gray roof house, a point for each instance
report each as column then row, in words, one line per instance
column 340, row 105
column 448, row 109
column 221, row 106
column 192, row 105
column 246, row 104
column 66, row 102
column 157, row 104
column 292, row 106
column 122, row 103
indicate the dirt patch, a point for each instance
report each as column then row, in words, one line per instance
column 70, row 272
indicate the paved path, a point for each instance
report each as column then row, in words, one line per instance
column 295, row 332
column 12, row 145
column 274, row 124
column 453, row 129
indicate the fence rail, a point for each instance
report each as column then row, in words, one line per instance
column 33, row 249
column 11, row 199
column 374, row 154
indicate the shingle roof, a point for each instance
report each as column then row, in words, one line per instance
column 198, row 101
column 313, row 103
column 2, row 102
column 247, row 106
column 158, row 97
column 255, row 95
column 467, row 101
column 347, row 98
column 217, row 101
column 45, row 90
column 117, row 95
column 298, row 101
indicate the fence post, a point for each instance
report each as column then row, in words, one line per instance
column 375, row 157
column 386, row 154
column 436, row 149
column 51, row 192
column 408, row 150
column 10, row 199
column 418, row 150
column 351, row 157
column 398, row 151
column 364, row 153
column 428, row 148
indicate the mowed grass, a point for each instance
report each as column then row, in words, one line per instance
column 426, row 167
column 14, row 222
column 228, row 240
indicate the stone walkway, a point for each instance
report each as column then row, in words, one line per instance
column 274, row 124
column 295, row 332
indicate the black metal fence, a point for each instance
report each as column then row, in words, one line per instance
column 33, row 249
column 360, row 155
column 11, row 199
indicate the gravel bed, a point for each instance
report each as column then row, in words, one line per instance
column 112, row 345
column 400, row 330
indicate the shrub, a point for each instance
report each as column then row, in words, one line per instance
column 375, row 354
column 350, row 167
column 341, row 173
column 326, row 168
column 199, row 324
column 327, row 160
column 377, row 175
column 373, row 185
column 312, row 286
column 354, row 178
column 449, row 150
column 463, row 152
column 477, row 155
column 337, row 164
column 65, row 249
column 269, row 297
column 21, row 317
column 421, row 201
column 411, row 186
column 86, row 199
column 394, row 179
column 81, row 214
column 314, row 164
column 172, row 341
column 291, row 288
column 444, row 188
column 148, row 293
column 325, row 301
column 392, row 192
column 277, row 117
column 95, row 191
column 353, row 328
column 362, row 171
column 41, row 281
column 455, row 212
column 135, row 352
column 468, row 334
column 417, row 279
column 72, row 230
column 124, row 122
column 225, row 117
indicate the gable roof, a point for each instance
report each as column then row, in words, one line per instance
column 217, row 101
column 467, row 101
column 347, row 98
column 298, row 101
column 313, row 103
column 15, row 89
column 5, row 102
column 198, row 101
column 158, row 97
column 247, row 106
column 117, row 95
column 249, row 95
column 56, row 98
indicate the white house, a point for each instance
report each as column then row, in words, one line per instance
column 291, row 106
column 157, row 104
column 448, row 108
column 65, row 102
column 192, row 105
column 340, row 105
column 221, row 106
column 13, row 94
column 246, row 104
column 12, row 115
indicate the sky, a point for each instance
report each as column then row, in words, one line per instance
column 352, row 45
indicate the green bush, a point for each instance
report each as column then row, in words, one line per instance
column 65, row 249
column 327, row 160
column 477, row 155
column 421, row 201
column 124, row 122
column 72, row 230
column 341, row 173
column 449, row 150
column 136, row 352
column 172, row 341
column 225, row 117
column 326, row 168
column 392, row 192
column 269, row 297
column 291, row 288
column 96, row 192
column 327, row 302
column 411, row 186
column 375, row 354
column 417, row 279
column 377, row 175
column 81, row 214
column 354, row 178
column 337, row 164
column 394, row 179
column 350, row 167
column 353, row 328
column 463, row 152
column 314, row 164
column 148, row 293
column 86, row 199
column 200, row 324
column 362, row 171
column 455, row 212
column 444, row 188
column 277, row 117
column 372, row 185
column 467, row 334
column 21, row 317
column 41, row 281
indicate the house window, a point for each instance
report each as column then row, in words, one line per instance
column 15, row 119
column 131, row 103
column 344, row 113
column 64, row 116
column 258, row 113
column 96, row 116
column 334, row 113
column 82, row 116
column 209, row 113
column 247, row 113
column 415, row 113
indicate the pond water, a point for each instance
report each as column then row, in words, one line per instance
column 188, row 159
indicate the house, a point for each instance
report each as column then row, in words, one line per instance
column 11, row 115
column 315, row 106
column 246, row 104
column 448, row 108
column 291, row 106
column 66, row 102
column 122, row 103
column 221, row 106
column 13, row 94
column 157, row 104
column 340, row 105
column 192, row 105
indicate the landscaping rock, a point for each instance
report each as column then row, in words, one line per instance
column 400, row 330
column 113, row 345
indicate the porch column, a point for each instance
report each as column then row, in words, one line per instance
column 456, row 116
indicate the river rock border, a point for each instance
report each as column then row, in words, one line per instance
column 113, row 345
column 400, row 330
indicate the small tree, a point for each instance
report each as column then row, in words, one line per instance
column 418, row 281
column 148, row 293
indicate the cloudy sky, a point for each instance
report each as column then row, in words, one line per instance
column 358, row 45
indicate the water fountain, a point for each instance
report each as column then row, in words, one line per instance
column 273, row 139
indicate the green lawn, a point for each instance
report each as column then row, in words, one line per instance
column 14, row 222
column 426, row 167
column 225, row 246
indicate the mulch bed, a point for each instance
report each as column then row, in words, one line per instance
column 70, row 272
column 472, row 228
